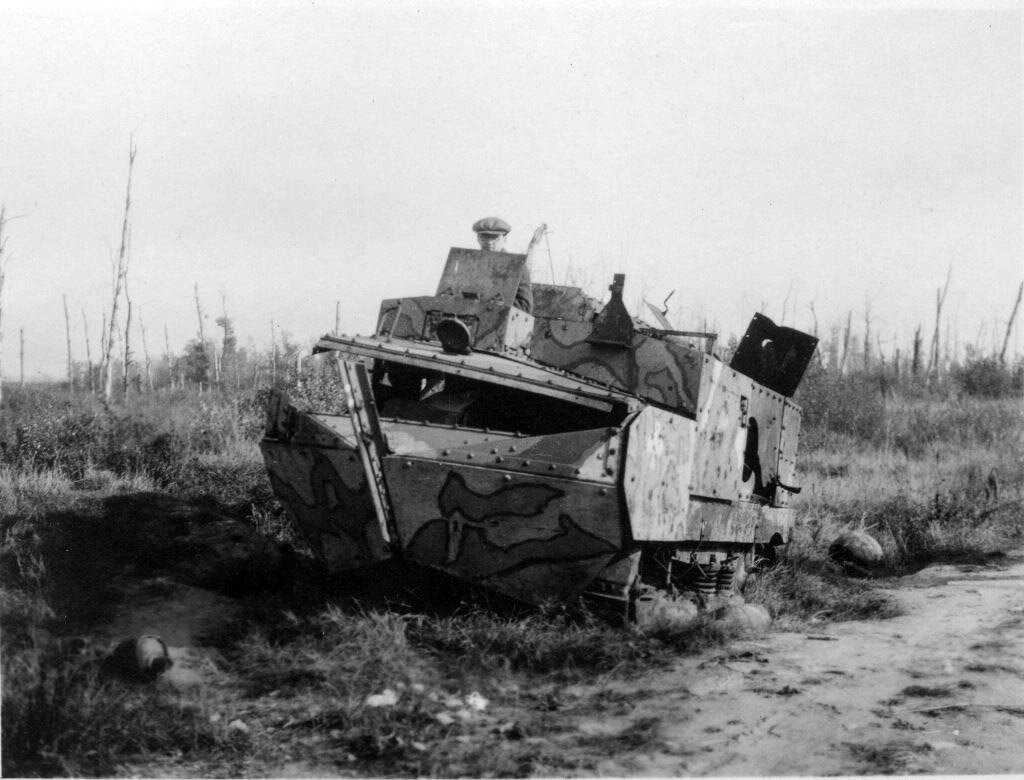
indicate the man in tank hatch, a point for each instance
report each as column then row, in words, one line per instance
column 491, row 233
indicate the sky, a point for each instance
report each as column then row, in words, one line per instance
column 295, row 155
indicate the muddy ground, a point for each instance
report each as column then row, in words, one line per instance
column 938, row 689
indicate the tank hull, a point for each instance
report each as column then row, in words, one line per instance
column 549, row 454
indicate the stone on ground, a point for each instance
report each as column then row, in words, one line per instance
column 856, row 547
column 748, row 618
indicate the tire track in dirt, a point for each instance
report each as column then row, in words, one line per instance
column 939, row 689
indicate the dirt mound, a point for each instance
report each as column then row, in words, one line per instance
column 194, row 543
column 113, row 551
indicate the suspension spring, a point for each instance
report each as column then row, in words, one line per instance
column 724, row 578
column 705, row 578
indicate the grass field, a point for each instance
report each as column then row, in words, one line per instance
column 85, row 492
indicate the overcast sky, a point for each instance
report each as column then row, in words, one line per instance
column 295, row 154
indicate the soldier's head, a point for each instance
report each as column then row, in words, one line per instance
column 491, row 232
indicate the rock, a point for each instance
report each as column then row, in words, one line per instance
column 239, row 726
column 386, row 698
column 656, row 608
column 856, row 547
column 476, row 701
column 749, row 618
column 139, row 659
column 151, row 655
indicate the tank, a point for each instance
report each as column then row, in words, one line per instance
column 570, row 450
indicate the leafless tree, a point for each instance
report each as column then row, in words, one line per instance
column 273, row 353
column 88, row 353
column 846, row 342
column 3, row 274
column 127, row 341
column 167, row 356
column 814, row 332
column 785, row 301
column 145, row 355
column 915, row 364
column 1009, row 324
column 67, row 331
column 202, row 329
column 867, row 335
column 940, row 299
column 121, row 272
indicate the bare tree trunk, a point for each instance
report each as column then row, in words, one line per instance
column 167, row 357
column 118, row 346
column 273, row 353
column 145, row 355
column 337, row 318
column 67, row 331
column 915, row 365
column 202, row 336
column 785, row 303
column 814, row 315
column 88, row 353
column 947, row 349
column 1009, row 324
column 127, row 343
column 940, row 299
column 21, row 354
column 226, row 346
column 833, row 347
column 818, row 352
column 954, row 334
column 846, row 342
column 119, row 280
column 3, row 266
column 867, row 335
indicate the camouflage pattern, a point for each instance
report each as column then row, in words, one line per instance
column 657, row 370
column 535, row 538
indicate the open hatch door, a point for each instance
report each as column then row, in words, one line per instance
column 773, row 355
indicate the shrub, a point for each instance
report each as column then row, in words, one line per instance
column 837, row 404
column 986, row 377
column 169, row 436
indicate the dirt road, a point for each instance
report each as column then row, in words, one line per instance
column 937, row 690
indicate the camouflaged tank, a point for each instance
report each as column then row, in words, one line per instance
column 568, row 451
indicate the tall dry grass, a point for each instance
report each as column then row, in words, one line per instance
column 914, row 470
column 933, row 478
